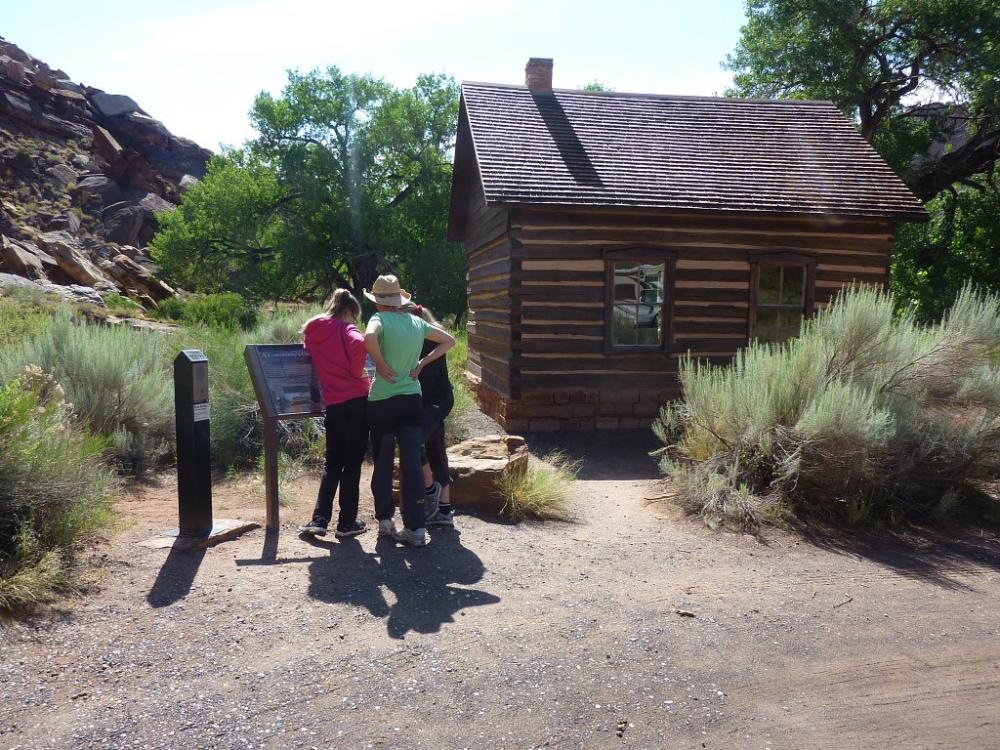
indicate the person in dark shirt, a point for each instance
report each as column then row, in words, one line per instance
column 438, row 400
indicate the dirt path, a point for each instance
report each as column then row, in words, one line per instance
column 500, row 636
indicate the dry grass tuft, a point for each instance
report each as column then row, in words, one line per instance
column 543, row 490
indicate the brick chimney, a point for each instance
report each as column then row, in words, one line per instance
column 538, row 75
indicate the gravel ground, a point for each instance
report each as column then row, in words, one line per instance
column 630, row 627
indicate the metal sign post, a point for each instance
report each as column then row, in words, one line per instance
column 194, row 464
column 287, row 388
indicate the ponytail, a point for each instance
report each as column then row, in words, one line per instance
column 341, row 301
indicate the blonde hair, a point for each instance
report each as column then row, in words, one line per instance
column 424, row 313
column 342, row 300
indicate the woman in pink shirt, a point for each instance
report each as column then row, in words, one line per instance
column 337, row 349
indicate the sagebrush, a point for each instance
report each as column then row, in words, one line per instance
column 868, row 416
column 116, row 379
column 54, row 489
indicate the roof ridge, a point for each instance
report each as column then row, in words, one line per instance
column 640, row 95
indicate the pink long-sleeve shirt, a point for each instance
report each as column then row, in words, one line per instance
column 338, row 354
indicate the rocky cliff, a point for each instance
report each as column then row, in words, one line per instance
column 83, row 174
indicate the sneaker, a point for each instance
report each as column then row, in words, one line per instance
column 358, row 527
column 441, row 517
column 386, row 527
column 434, row 492
column 414, row 538
column 313, row 528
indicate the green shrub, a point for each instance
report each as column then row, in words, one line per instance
column 458, row 358
column 115, row 301
column 21, row 317
column 226, row 310
column 117, row 380
column 236, row 436
column 867, row 416
column 542, row 491
column 54, row 491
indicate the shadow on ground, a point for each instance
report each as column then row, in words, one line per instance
column 619, row 455
column 940, row 555
column 422, row 581
column 176, row 577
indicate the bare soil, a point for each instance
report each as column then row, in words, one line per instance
column 631, row 627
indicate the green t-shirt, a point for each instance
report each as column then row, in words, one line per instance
column 401, row 340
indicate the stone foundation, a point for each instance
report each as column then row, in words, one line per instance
column 573, row 409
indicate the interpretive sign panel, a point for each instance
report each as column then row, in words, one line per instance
column 284, row 380
column 287, row 388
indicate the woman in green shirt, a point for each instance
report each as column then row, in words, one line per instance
column 394, row 339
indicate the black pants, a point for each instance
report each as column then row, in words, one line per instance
column 346, row 438
column 392, row 420
column 434, row 451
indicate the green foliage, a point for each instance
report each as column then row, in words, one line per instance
column 458, row 358
column 21, row 318
column 868, row 415
column 222, row 310
column 920, row 79
column 115, row 301
column 867, row 57
column 54, row 491
column 349, row 178
column 237, row 440
column 116, row 379
column 595, row 85
column 542, row 491
column 932, row 261
column 225, row 233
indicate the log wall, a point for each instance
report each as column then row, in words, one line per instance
column 537, row 280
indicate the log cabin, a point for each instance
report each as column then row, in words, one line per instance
column 608, row 235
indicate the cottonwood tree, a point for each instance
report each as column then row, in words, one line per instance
column 922, row 80
column 349, row 178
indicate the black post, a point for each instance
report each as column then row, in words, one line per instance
column 194, row 466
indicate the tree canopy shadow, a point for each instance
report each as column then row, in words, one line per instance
column 939, row 554
column 421, row 580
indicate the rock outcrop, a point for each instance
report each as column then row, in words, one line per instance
column 83, row 176
column 477, row 465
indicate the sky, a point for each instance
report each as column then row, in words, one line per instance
column 198, row 64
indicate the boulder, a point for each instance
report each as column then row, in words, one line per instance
column 67, row 85
column 68, row 220
column 478, row 464
column 15, row 53
column 143, row 131
column 71, row 257
column 70, row 293
column 123, row 225
column 18, row 104
column 106, row 145
column 187, row 182
column 156, row 204
column 97, row 190
column 23, row 258
column 111, row 105
column 131, row 275
column 43, row 78
column 62, row 174
column 13, row 69
column 10, row 281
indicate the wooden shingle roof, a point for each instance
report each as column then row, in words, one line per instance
column 672, row 152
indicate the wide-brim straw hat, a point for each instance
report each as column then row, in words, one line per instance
column 386, row 291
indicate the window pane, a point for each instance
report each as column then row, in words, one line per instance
column 769, row 285
column 793, row 285
column 768, row 324
column 638, row 301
